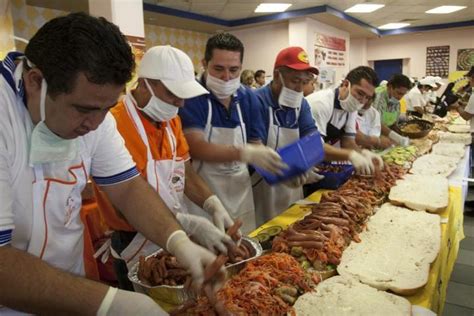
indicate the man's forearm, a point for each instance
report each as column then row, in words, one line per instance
column 465, row 115
column 201, row 149
column 332, row 153
column 349, row 143
column 366, row 141
column 31, row 285
column 144, row 209
column 385, row 130
column 195, row 188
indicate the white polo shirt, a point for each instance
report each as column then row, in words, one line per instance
column 369, row 122
column 414, row 98
column 102, row 151
column 324, row 112
column 470, row 109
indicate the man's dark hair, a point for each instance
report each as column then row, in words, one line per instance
column 258, row 73
column 400, row 81
column 78, row 42
column 363, row 72
column 224, row 41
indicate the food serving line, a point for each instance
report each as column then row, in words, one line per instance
column 341, row 216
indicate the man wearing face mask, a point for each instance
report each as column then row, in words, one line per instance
column 415, row 98
column 369, row 128
column 387, row 102
column 224, row 131
column 55, row 132
column 335, row 112
column 287, row 117
column 147, row 120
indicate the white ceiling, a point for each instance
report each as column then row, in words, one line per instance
column 394, row 10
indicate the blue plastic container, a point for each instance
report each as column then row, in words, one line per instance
column 333, row 180
column 300, row 156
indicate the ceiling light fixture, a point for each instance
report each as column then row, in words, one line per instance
column 392, row 26
column 272, row 7
column 445, row 9
column 364, row 8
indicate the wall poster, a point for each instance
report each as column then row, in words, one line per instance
column 437, row 61
column 329, row 51
column 465, row 59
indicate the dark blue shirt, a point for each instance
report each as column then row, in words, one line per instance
column 195, row 111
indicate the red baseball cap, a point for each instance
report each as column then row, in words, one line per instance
column 295, row 58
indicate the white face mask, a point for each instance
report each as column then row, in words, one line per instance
column 157, row 109
column 288, row 97
column 361, row 112
column 45, row 146
column 350, row 104
column 220, row 88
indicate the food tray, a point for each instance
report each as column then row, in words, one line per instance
column 424, row 125
column 300, row 156
column 333, row 180
column 177, row 295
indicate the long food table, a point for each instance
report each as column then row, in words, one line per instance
column 433, row 294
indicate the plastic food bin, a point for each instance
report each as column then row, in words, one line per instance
column 333, row 180
column 300, row 156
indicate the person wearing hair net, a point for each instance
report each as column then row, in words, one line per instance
column 147, row 118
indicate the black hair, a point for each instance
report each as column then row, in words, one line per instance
column 400, row 81
column 224, row 41
column 258, row 73
column 79, row 43
column 363, row 72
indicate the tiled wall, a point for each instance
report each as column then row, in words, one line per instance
column 28, row 19
column 192, row 43
column 6, row 28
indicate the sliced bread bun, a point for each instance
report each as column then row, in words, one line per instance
column 343, row 296
column 459, row 128
column 447, row 137
column 396, row 250
column 450, row 150
column 431, row 165
column 421, row 193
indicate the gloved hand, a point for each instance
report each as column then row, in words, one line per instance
column 373, row 156
column 297, row 181
column 123, row 303
column 220, row 217
column 361, row 163
column 204, row 232
column 263, row 157
column 313, row 176
column 194, row 258
column 399, row 139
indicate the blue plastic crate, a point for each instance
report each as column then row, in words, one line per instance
column 300, row 156
column 333, row 180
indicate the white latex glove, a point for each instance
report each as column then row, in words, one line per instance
column 220, row 216
column 361, row 163
column 194, row 258
column 204, row 232
column 297, row 181
column 263, row 157
column 313, row 176
column 367, row 153
column 118, row 302
column 399, row 139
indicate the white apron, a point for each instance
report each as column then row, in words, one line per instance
column 270, row 201
column 230, row 181
column 165, row 176
column 57, row 232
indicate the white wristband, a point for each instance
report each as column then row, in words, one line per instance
column 107, row 301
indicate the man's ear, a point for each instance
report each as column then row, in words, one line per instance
column 204, row 63
column 32, row 80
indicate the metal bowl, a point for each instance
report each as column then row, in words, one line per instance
column 178, row 295
column 425, row 128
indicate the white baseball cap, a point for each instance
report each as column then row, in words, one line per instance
column 428, row 81
column 438, row 80
column 173, row 68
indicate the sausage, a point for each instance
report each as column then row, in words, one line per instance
column 306, row 244
column 233, row 230
column 335, row 221
column 212, row 269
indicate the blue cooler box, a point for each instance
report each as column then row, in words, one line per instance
column 300, row 156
